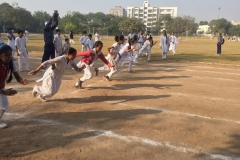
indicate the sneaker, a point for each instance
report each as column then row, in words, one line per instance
column 79, row 85
column 34, row 93
column 106, row 78
column 96, row 71
column 42, row 99
column 3, row 125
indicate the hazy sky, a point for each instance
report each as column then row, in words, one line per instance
column 200, row 9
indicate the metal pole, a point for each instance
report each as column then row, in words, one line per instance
column 218, row 12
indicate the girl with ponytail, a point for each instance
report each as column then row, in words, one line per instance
column 7, row 68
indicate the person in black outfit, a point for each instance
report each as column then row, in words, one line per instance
column 49, row 50
column 71, row 37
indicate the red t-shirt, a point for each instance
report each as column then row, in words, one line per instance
column 3, row 75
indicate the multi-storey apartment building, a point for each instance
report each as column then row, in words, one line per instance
column 118, row 11
column 149, row 15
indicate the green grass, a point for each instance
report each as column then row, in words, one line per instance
column 191, row 50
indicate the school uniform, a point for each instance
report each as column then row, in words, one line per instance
column 26, row 35
column 115, row 51
column 21, row 45
column 173, row 44
column 71, row 38
column 125, row 57
column 11, row 43
column 52, row 78
column 164, row 43
column 66, row 46
column 219, row 45
column 58, row 45
column 97, row 38
column 83, row 41
column 146, row 48
column 88, row 60
column 89, row 44
column 4, row 71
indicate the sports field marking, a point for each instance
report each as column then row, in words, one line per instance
column 145, row 141
column 173, row 112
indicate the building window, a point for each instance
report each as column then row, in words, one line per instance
column 145, row 12
column 145, row 7
column 169, row 10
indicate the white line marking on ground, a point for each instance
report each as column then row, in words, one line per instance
column 173, row 112
column 131, row 139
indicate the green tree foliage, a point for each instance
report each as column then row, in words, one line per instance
column 220, row 26
column 203, row 23
column 235, row 30
column 39, row 19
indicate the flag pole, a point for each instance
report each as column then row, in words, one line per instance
column 218, row 12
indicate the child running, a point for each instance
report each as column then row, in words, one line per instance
column 88, row 60
column 21, row 49
column 7, row 66
column 52, row 78
column 147, row 47
column 126, row 51
column 113, row 52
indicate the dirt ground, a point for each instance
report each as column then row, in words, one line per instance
column 162, row 111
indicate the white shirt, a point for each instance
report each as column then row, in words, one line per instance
column 26, row 33
column 173, row 39
column 90, row 43
column 140, row 38
column 58, row 41
column 164, row 43
column 66, row 46
column 97, row 38
column 11, row 43
column 116, row 48
column 60, row 66
column 83, row 39
column 21, row 44
column 123, row 51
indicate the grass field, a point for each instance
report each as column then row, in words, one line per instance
column 200, row 49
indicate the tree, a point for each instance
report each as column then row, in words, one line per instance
column 220, row 26
column 131, row 23
column 39, row 19
column 235, row 30
column 203, row 23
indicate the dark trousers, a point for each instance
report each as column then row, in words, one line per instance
column 219, row 48
column 49, row 51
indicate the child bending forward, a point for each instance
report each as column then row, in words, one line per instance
column 52, row 78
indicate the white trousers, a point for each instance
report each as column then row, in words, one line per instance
column 87, row 72
column 59, row 52
column 127, row 59
column 3, row 102
column 13, row 52
column 26, row 38
column 84, row 48
column 164, row 55
column 173, row 48
column 112, row 70
column 72, row 41
column 145, row 49
column 25, row 55
column 49, row 88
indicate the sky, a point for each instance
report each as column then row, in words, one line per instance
column 202, row 10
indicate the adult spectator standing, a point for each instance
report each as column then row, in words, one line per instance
column 71, row 37
column 164, row 44
column 219, row 44
column 11, row 41
column 97, row 36
column 49, row 49
column 26, row 35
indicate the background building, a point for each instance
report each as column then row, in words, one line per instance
column 149, row 15
column 235, row 23
column 203, row 30
column 118, row 11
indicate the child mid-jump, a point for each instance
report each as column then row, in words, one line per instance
column 7, row 67
column 21, row 49
column 113, row 52
column 88, row 58
column 52, row 78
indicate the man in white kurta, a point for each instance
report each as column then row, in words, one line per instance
column 164, row 44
